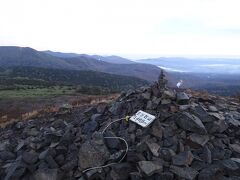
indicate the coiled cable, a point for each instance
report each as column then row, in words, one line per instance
column 122, row 139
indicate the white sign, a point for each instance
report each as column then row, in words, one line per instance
column 142, row 118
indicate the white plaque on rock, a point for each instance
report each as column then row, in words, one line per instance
column 142, row 118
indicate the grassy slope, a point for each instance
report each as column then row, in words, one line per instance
column 34, row 82
column 36, row 92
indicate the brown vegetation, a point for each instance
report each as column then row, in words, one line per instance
column 12, row 110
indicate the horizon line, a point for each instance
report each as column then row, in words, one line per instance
column 134, row 56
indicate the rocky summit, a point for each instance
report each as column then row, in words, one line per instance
column 194, row 136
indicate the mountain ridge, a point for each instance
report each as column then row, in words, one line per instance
column 110, row 59
column 24, row 56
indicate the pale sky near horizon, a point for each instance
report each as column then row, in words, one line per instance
column 130, row 28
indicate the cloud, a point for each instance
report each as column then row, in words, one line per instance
column 135, row 27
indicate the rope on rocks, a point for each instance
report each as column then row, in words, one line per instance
column 126, row 151
column 111, row 124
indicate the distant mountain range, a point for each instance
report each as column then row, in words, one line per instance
column 217, row 75
column 109, row 59
column 196, row 65
column 19, row 56
column 23, row 56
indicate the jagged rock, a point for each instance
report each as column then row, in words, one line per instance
column 198, row 165
column 141, row 146
column 114, row 175
column 110, row 142
column 182, row 98
column 169, row 94
column 51, row 162
column 201, row 113
column 122, row 170
column 115, row 108
column 61, row 149
column 237, row 160
column 190, row 122
column 60, row 159
column 135, row 157
column 135, row 176
column 19, row 125
column 168, row 132
column 183, row 158
column 139, row 133
column 132, row 127
column 91, row 174
column 32, row 132
column 187, row 172
column 90, row 111
column 170, row 142
column 146, row 95
column 207, row 155
column 156, row 129
column 235, row 147
column 3, row 145
column 205, row 100
column 154, row 147
column 156, row 101
column 218, row 153
column 166, row 154
column 46, row 174
column 21, row 143
column 212, row 109
column 6, row 155
column 211, row 172
column 184, row 107
column 130, row 92
column 217, row 116
column 199, row 139
column 58, row 123
column 150, row 167
column 69, row 165
column 93, row 153
column 173, row 109
column 15, row 170
column 90, row 127
column 44, row 154
column 149, row 105
column 165, row 176
column 230, row 167
column 217, row 126
column 232, row 121
column 165, row 101
column 101, row 108
column 96, row 117
column 30, row 157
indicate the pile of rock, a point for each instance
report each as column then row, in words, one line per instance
column 191, row 138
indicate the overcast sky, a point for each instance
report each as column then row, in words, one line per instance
column 131, row 28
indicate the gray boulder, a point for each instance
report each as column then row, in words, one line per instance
column 190, row 122
column 199, row 139
column 150, row 167
column 187, row 172
column 182, row 98
column 183, row 159
column 46, row 174
column 93, row 153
